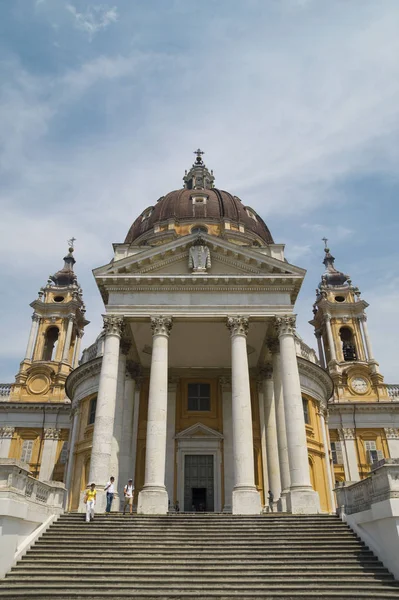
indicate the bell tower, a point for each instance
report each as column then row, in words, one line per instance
column 52, row 352
column 343, row 339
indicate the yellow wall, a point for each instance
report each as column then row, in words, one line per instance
column 82, row 454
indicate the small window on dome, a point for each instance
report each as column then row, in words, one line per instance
column 339, row 299
column 199, row 229
column 251, row 214
column 59, row 299
column 146, row 214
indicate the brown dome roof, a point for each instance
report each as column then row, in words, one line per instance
column 216, row 207
column 219, row 205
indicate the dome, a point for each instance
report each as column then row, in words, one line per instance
column 202, row 207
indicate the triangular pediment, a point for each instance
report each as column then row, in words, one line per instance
column 199, row 431
column 172, row 259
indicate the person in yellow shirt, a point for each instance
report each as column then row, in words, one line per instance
column 90, row 499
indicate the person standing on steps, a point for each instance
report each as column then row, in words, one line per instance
column 128, row 493
column 110, row 490
column 90, row 499
column 270, row 496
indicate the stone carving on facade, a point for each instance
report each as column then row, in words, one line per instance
column 238, row 325
column 161, row 325
column 347, row 433
column 273, row 344
column 7, row 432
column 51, row 433
column 285, row 325
column 125, row 346
column 199, row 257
column 392, row 433
column 113, row 325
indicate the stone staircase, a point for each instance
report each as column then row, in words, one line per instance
column 199, row 556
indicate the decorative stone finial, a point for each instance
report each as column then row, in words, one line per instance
column 199, row 154
column 198, row 177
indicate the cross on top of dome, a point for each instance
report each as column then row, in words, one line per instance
column 199, row 154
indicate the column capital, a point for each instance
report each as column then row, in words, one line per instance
column 35, row 317
column 285, row 324
column 71, row 317
column 362, row 318
column 347, row 433
column 113, row 325
column 125, row 346
column 266, row 372
column 6, row 432
column 273, row 344
column 391, row 433
column 326, row 318
column 318, row 333
column 161, row 325
column 238, row 325
column 80, row 333
column 51, row 433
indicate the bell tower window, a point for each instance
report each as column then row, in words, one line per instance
column 50, row 343
column 348, row 344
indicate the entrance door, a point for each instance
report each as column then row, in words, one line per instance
column 198, row 483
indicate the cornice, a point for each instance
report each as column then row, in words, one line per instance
column 318, row 374
column 48, row 407
column 88, row 369
column 363, row 407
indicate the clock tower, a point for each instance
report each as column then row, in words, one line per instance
column 343, row 339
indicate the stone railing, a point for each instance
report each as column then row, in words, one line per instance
column 5, row 390
column 93, row 351
column 16, row 480
column 382, row 484
column 305, row 351
column 393, row 390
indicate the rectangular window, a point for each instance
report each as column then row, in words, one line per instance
column 27, row 449
column 373, row 455
column 199, row 397
column 92, row 410
column 336, row 453
column 305, row 404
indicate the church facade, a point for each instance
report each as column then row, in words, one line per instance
column 199, row 387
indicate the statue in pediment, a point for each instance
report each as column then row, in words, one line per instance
column 199, row 257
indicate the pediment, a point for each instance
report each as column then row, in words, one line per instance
column 199, row 431
column 172, row 259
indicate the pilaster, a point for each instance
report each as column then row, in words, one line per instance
column 49, row 453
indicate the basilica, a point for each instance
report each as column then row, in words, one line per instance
column 199, row 387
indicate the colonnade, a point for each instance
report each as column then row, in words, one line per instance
column 285, row 427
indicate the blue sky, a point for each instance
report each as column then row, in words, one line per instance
column 296, row 103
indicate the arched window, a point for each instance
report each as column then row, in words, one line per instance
column 199, row 229
column 92, row 411
column 305, row 405
column 50, row 343
column 348, row 344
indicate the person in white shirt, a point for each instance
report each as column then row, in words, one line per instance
column 128, row 493
column 110, row 489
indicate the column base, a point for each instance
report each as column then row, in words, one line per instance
column 282, row 502
column 246, row 501
column 303, row 501
column 153, row 500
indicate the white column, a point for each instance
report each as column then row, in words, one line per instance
column 331, row 345
column 71, row 454
column 246, row 498
column 392, row 436
column 265, row 473
column 326, row 449
column 105, row 411
column 273, row 465
column 125, row 458
column 116, row 446
column 76, row 352
column 136, row 411
column 170, row 441
column 32, row 337
column 228, row 464
column 274, row 346
column 153, row 498
column 49, row 454
column 348, row 438
column 68, row 337
column 302, row 498
column 320, row 348
column 6, row 435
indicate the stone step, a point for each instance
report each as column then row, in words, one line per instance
column 220, row 595
column 323, row 561
column 207, row 575
column 124, row 537
column 137, row 545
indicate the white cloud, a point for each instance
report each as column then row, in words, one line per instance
column 96, row 18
